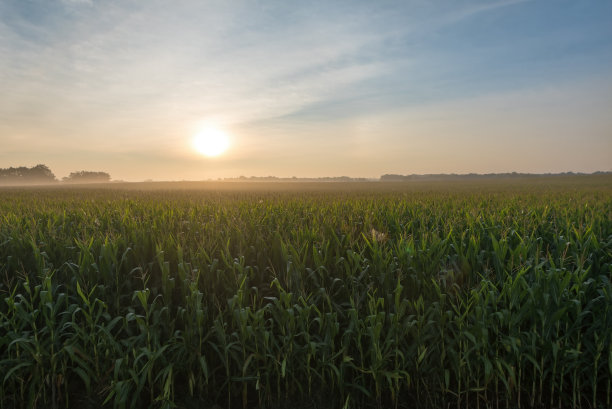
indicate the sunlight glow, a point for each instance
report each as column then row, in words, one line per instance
column 211, row 142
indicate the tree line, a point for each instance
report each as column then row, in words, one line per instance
column 41, row 174
column 477, row 176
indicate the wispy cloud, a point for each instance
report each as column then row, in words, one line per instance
column 474, row 9
column 140, row 76
column 136, row 63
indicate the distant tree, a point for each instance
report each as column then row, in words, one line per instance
column 392, row 177
column 38, row 174
column 84, row 176
column 41, row 172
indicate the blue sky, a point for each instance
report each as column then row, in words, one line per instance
column 306, row 88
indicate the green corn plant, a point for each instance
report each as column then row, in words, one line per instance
column 466, row 295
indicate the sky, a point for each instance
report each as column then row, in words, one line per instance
column 306, row 88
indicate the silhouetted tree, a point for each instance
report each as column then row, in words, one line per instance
column 41, row 172
column 22, row 175
column 84, row 176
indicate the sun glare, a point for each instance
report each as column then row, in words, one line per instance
column 211, row 142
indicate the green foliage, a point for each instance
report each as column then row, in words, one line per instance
column 385, row 295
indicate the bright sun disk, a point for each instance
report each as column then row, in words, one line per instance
column 211, row 142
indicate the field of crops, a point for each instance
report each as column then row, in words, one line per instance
column 227, row 295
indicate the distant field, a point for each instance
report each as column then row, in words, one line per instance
column 488, row 294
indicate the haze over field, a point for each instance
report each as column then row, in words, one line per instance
column 196, row 90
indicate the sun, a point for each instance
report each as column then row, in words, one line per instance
column 211, row 142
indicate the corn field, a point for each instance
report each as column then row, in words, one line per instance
column 380, row 295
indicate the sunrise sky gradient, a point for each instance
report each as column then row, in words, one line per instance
column 317, row 88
